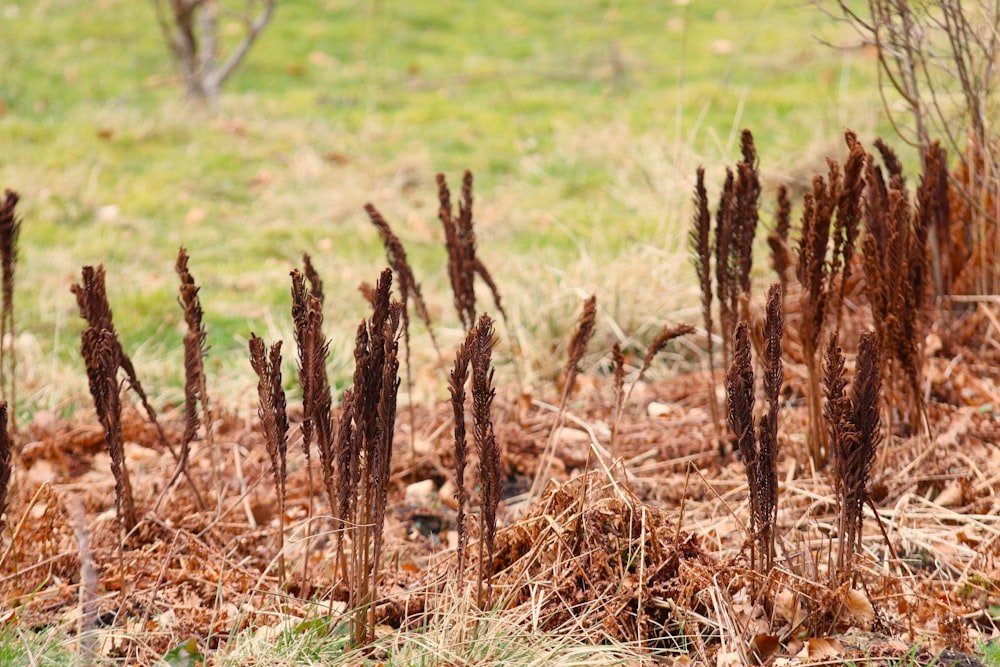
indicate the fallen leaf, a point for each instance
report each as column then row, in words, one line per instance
column 822, row 647
column 858, row 607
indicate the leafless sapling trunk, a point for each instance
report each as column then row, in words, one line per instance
column 193, row 30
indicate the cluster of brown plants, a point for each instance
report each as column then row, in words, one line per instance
column 861, row 246
column 864, row 257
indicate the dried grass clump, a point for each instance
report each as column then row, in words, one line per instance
column 10, row 232
column 759, row 447
column 274, row 423
column 591, row 558
column 463, row 262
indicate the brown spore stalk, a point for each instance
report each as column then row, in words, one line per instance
column 364, row 454
column 701, row 256
column 463, row 261
column 101, row 354
column 10, row 232
column 855, row 427
column 759, row 447
column 896, row 260
column 6, row 465
column 488, row 450
column 456, row 388
column 272, row 411
column 92, row 300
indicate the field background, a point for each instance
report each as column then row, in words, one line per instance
column 582, row 121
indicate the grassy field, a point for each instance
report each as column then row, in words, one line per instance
column 583, row 123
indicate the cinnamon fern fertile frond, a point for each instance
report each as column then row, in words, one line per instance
column 10, row 232
column 488, row 450
column 6, row 466
column 456, row 388
column 274, row 423
column 701, row 257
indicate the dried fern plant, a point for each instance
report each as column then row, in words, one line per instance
column 92, row 300
column 101, row 354
column 701, row 256
column 666, row 334
column 195, row 391
column 408, row 287
column 364, row 454
column 6, row 465
column 456, row 388
column 831, row 211
column 274, row 423
column 855, row 429
column 896, row 259
column 488, row 450
column 758, row 447
column 10, row 232
column 463, row 262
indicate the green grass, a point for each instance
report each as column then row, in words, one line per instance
column 583, row 122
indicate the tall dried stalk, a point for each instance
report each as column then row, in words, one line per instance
column 855, row 428
column 777, row 240
column 364, row 454
column 408, row 286
column 488, row 450
column 456, row 388
column 735, row 227
column 896, row 260
column 767, row 428
column 92, row 300
column 667, row 334
column 6, row 466
column 830, row 211
column 759, row 449
column 274, row 423
column 10, row 232
column 101, row 354
column 577, row 347
column 463, row 262
column 307, row 319
column 701, row 256
column 195, row 391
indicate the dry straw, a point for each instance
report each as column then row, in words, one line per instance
column 577, row 347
